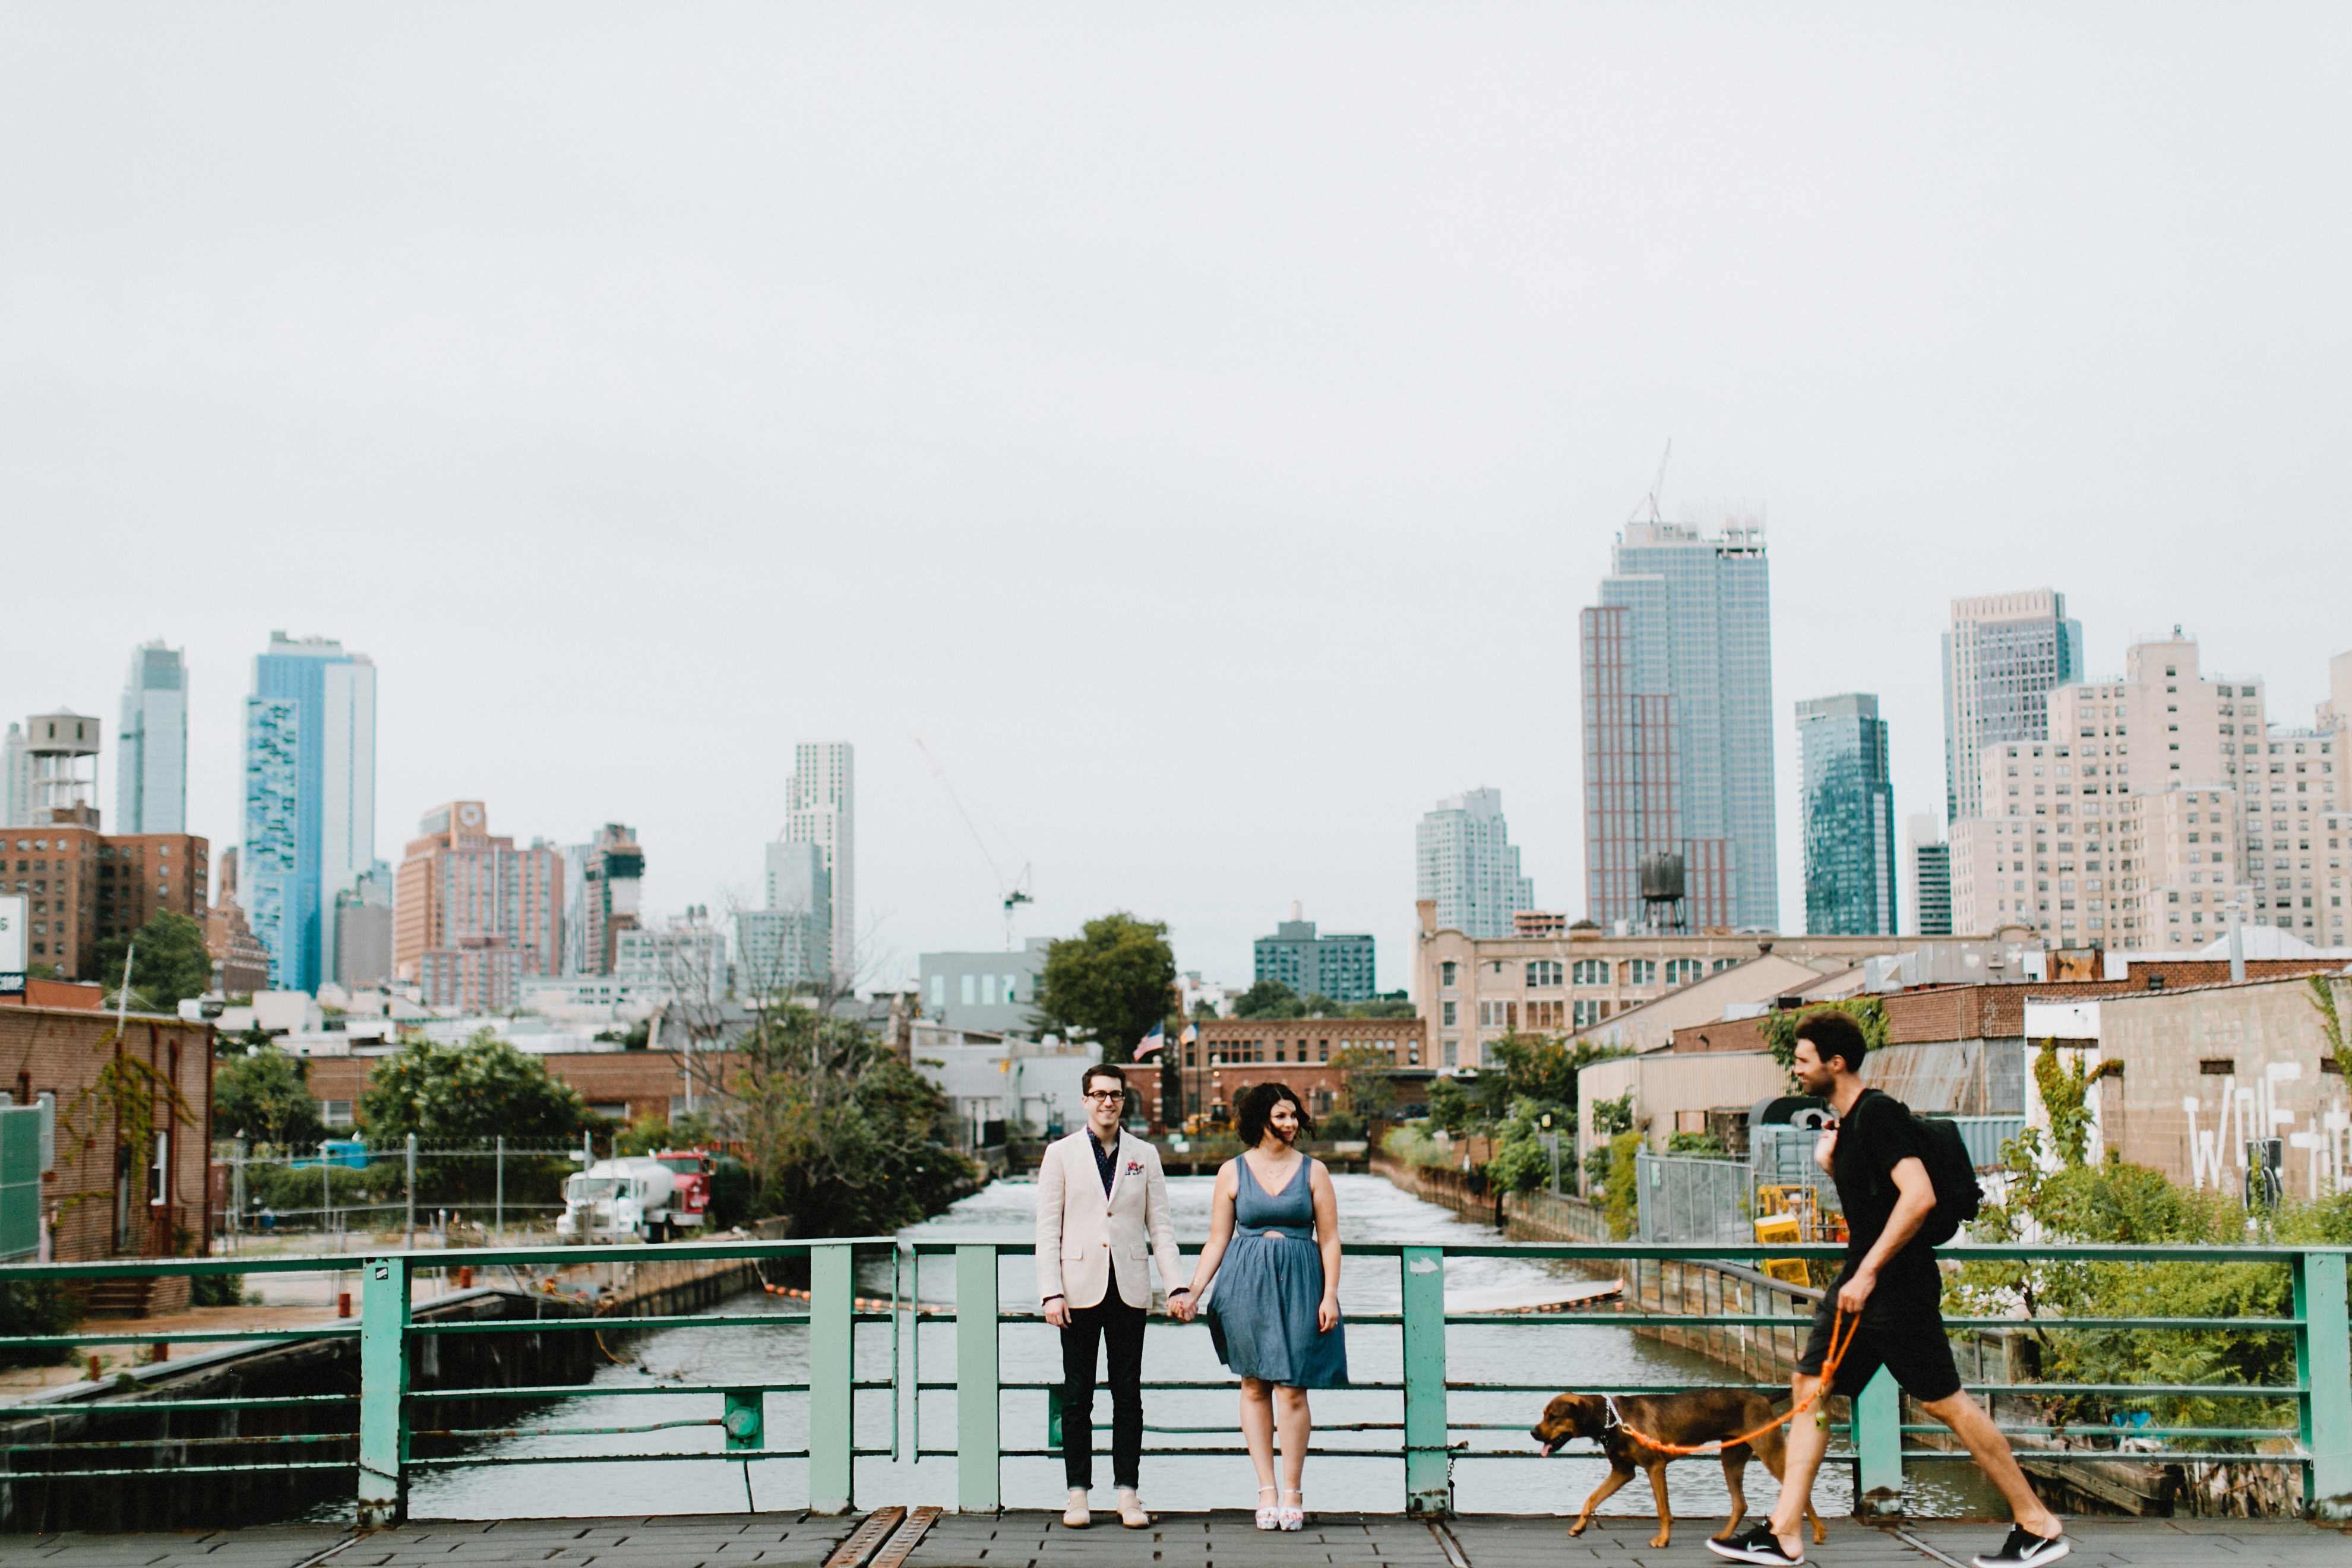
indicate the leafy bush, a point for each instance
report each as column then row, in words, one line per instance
column 1611, row 1117
column 2134, row 1205
column 1694, row 1143
column 1339, row 1124
column 42, row 1309
column 1413, row 1146
column 1521, row 1161
column 1621, row 1199
column 216, row 1291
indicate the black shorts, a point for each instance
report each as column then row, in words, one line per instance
column 1905, row 1337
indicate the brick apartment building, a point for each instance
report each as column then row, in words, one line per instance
column 240, row 963
column 106, row 1198
column 82, row 887
column 1228, row 1055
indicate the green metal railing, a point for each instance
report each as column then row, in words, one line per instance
column 391, row 1416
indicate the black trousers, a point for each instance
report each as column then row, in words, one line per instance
column 1120, row 1327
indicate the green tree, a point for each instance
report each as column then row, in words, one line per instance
column 2067, row 1096
column 1544, row 1067
column 1522, row 1159
column 1379, row 1007
column 2331, row 1024
column 1269, row 999
column 169, row 963
column 263, row 1094
column 843, row 1136
column 1112, row 983
column 468, row 1094
column 1366, row 1090
column 650, row 1135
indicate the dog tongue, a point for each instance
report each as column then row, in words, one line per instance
column 1548, row 1448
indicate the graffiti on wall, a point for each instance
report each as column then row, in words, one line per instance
column 2252, row 1109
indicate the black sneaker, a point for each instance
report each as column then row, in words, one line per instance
column 2023, row 1548
column 1758, row 1545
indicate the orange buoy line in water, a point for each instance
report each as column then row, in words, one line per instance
column 862, row 1304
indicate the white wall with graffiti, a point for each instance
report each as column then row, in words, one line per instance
column 2216, row 1085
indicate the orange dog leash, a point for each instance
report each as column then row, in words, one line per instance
column 1829, row 1373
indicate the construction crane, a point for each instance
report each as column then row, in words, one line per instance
column 1012, row 895
column 1649, row 503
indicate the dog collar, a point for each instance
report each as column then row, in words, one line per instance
column 1615, row 1420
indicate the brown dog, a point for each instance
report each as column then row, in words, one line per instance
column 1702, row 1415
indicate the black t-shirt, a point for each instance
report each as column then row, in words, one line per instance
column 1876, row 1134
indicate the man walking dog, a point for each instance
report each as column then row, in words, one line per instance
column 1890, row 1295
column 1099, row 1193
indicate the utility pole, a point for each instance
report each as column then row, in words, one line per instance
column 412, row 1193
column 498, row 1212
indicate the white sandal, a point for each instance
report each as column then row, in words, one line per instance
column 1293, row 1518
column 1269, row 1518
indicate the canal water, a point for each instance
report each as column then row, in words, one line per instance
column 1574, row 1354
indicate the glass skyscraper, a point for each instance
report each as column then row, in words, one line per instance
column 820, row 808
column 151, row 768
column 2002, row 657
column 1848, row 817
column 1677, row 712
column 309, row 799
column 1464, row 861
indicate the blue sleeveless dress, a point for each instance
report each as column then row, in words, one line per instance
column 1261, row 1309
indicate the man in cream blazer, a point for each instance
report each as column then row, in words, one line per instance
column 1099, row 1195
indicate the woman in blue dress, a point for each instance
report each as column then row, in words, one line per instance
column 1274, row 1252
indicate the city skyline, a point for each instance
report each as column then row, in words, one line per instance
column 1164, row 476
column 752, row 894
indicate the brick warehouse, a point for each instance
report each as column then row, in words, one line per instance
column 1228, row 1055
column 623, row 1085
column 105, row 1198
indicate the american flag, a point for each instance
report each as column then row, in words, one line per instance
column 1152, row 1043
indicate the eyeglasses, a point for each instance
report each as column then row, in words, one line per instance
column 1106, row 1095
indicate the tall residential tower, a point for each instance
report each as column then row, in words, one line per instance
column 1678, row 697
column 1464, row 858
column 819, row 808
column 150, row 767
column 2003, row 656
column 1848, row 815
column 309, row 799
column 1931, row 887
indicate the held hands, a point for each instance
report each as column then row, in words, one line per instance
column 1856, row 1291
column 1327, row 1315
column 1180, row 1307
column 1057, row 1312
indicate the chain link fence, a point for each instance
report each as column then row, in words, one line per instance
column 1692, row 1198
column 490, row 1191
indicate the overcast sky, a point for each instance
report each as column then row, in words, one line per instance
column 1200, row 425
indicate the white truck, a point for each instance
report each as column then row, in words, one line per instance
column 635, row 1199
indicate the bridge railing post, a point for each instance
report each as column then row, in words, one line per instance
column 383, row 1389
column 2323, row 1366
column 833, row 1327
column 979, row 1486
column 1878, row 1447
column 1428, row 1488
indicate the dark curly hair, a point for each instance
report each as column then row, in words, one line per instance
column 1256, row 1108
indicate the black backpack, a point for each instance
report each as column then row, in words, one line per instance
column 1950, row 1172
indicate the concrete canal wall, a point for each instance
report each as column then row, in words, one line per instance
column 161, row 1490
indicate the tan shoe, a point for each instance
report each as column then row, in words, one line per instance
column 1076, row 1515
column 1131, row 1510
